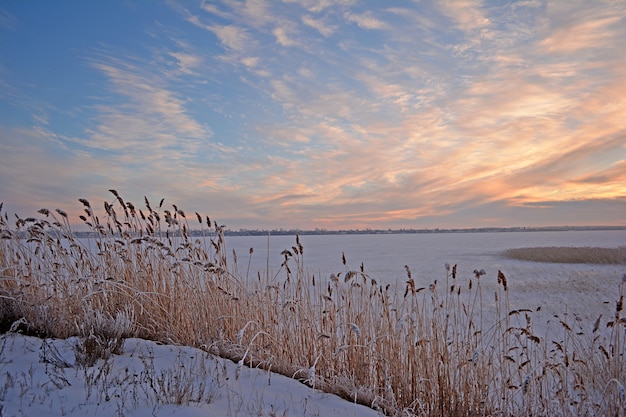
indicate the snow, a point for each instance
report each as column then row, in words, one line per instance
column 40, row 377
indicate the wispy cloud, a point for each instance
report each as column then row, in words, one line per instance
column 318, row 6
column 231, row 36
column 47, row 169
column 355, row 114
column 385, row 144
column 574, row 30
column 283, row 36
column 318, row 24
column 187, row 63
column 365, row 20
column 151, row 117
column 468, row 15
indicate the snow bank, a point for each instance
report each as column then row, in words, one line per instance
column 41, row 377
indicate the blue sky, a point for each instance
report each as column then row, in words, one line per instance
column 318, row 113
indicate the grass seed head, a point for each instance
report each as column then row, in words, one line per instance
column 187, row 294
column 502, row 280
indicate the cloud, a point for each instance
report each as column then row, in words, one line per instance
column 319, row 25
column 317, row 6
column 283, row 38
column 584, row 35
column 415, row 142
column 152, row 116
column 366, row 20
column 577, row 29
column 255, row 12
column 231, row 36
column 187, row 63
column 51, row 172
column 467, row 14
column 445, row 114
column 212, row 8
column 615, row 174
column 251, row 61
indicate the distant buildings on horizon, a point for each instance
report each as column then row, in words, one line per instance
column 317, row 231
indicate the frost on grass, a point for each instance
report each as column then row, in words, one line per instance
column 101, row 334
column 447, row 345
column 41, row 377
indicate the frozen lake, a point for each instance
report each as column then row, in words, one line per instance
column 569, row 291
column 575, row 290
column 582, row 289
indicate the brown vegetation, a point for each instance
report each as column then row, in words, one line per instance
column 405, row 351
column 569, row 255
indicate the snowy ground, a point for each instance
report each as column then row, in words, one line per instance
column 41, row 378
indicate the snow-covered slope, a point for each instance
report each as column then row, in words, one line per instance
column 42, row 378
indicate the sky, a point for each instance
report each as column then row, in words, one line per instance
column 308, row 114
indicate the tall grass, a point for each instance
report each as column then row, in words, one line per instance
column 572, row 255
column 402, row 349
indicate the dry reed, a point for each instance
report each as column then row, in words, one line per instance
column 572, row 255
column 398, row 348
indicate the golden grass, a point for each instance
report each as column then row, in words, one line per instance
column 402, row 349
column 569, row 255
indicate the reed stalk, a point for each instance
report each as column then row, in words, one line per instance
column 399, row 348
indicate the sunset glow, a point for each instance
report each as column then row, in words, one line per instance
column 319, row 114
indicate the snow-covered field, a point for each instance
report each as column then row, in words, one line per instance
column 582, row 290
column 44, row 377
column 41, row 378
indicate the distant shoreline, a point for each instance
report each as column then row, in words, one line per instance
column 321, row 232
column 282, row 232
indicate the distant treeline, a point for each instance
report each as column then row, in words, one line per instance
column 248, row 232
column 293, row 232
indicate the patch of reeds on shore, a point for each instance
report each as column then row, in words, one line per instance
column 402, row 349
column 569, row 255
